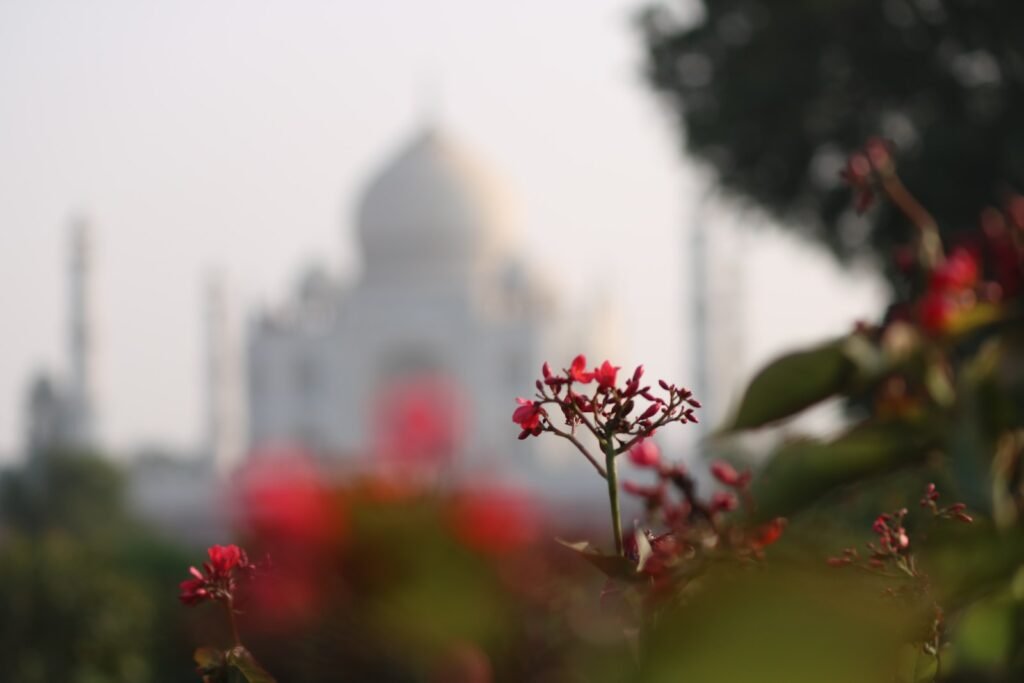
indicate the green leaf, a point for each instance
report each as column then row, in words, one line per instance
column 242, row 660
column 612, row 566
column 211, row 665
column 967, row 561
column 801, row 472
column 791, row 384
column 208, row 658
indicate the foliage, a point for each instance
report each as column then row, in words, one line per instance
column 773, row 96
column 941, row 395
column 80, row 580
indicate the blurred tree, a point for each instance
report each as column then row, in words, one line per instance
column 773, row 96
column 81, row 581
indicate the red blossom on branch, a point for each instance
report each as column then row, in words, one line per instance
column 605, row 375
column 578, row 370
column 620, row 418
column 528, row 416
column 216, row 581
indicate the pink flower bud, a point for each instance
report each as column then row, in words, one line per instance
column 727, row 474
column 645, row 453
column 650, row 412
column 723, row 501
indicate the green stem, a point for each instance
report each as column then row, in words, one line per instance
column 613, row 493
column 229, row 606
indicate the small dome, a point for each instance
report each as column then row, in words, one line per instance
column 433, row 207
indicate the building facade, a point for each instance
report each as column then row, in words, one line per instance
column 445, row 324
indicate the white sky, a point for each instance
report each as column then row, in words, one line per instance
column 237, row 135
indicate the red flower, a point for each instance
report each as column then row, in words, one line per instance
column 281, row 498
column 727, row 474
column 768, row 533
column 419, row 421
column 494, row 520
column 193, row 591
column 936, row 311
column 578, row 370
column 224, row 558
column 605, row 375
column 645, row 453
column 960, row 271
column 217, row 581
column 528, row 416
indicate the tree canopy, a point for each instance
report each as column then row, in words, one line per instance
column 774, row 96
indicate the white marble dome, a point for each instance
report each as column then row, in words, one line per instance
column 432, row 207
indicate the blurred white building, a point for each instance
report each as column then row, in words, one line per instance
column 444, row 300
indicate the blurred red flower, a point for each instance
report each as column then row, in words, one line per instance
column 282, row 496
column 419, row 420
column 494, row 520
column 727, row 474
column 959, row 271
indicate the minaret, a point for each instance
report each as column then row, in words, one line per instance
column 81, row 391
column 223, row 437
column 716, row 262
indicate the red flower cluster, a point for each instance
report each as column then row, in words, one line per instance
column 695, row 525
column 950, row 291
column 607, row 410
column 893, row 548
column 954, row 511
column 217, row 580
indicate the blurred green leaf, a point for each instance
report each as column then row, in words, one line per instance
column 211, row 665
column 801, row 472
column 612, row 566
column 208, row 658
column 966, row 561
column 242, row 660
column 779, row 626
column 791, row 384
column 984, row 635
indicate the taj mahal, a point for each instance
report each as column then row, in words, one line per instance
column 445, row 319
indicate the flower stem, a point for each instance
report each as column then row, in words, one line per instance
column 613, row 493
column 229, row 606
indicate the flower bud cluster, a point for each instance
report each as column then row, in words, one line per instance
column 217, row 580
column 893, row 548
column 696, row 526
column 594, row 399
column 955, row 511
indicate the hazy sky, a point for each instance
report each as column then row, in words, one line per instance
column 237, row 135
